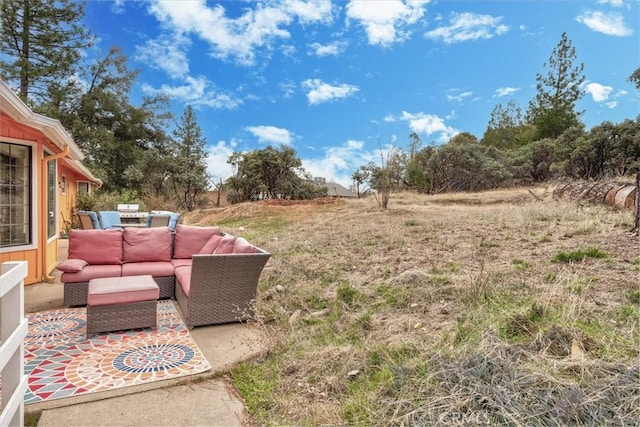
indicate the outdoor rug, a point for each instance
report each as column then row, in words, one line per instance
column 61, row 362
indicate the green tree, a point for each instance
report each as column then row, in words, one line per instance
column 114, row 134
column 189, row 178
column 552, row 111
column 360, row 178
column 465, row 167
column 41, row 43
column 271, row 173
column 635, row 78
column 531, row 162
column 507, row 128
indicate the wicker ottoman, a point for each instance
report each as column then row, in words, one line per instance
column 119, row 303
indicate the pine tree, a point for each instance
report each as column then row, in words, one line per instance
column 553, row 109
column 40, row 44
column 189, row 177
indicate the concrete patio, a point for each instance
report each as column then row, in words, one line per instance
column 198, row 400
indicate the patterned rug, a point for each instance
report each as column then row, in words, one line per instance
column 61, row 362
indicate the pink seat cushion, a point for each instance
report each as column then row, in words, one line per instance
column 241, row 246
column 155, row 269
column 92, row 272
column 226, row 245
column 107, row 291
column 96, row 246
column 183, row 278
column 190, row 239
column 146, row 244
column 182, row 261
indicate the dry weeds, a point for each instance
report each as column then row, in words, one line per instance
column 445, row 310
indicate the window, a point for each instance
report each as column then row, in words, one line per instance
column 51, row 197
column 83, row 187
column 15, row 194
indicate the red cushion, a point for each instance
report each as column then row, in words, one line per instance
column 226, row 245
column 146, row 244
column 241, row 246
column 96, row 246
column 190, row 239
column 211, row 245
column 72, row 265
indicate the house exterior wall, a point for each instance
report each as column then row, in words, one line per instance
column 41, row 253
column 67, row 198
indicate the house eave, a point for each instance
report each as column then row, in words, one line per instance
column 12, row 105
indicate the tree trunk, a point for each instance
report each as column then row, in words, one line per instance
column 636, row 223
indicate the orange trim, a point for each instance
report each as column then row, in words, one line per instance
column 44, row 213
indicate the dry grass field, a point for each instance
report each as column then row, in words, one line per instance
column 456, row 309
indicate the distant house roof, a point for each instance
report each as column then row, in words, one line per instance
column 336, row 190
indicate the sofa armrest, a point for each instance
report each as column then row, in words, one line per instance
column 223, row 287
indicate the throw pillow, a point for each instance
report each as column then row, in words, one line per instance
column 226, row 245
column 241, row 246
column 211, row 245
column 72, row 265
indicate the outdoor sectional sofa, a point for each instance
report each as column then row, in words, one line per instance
column 212, row 275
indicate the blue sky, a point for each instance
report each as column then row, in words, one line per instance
column 337, row 80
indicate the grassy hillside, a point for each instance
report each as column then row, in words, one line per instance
column 498, row 307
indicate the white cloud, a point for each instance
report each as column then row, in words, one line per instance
column 429, row 124
column 386, row 22
column 614, row 3
column 504, row 91
column 320, row 91
column 217, row 165
column 258, row 28
column 611, row 104
column 339, row 163
column 309, row 11
column 167, row 54
column 269, row 134
column 599, row 92
column 453, row 96
column 334, row 48
column 196, row 91
column 469, row 26
column 611, row 24
column 288, row 89
column 118, row 6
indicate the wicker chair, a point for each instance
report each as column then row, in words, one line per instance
column 88, row 220
column 223, row 288
column 158, row 220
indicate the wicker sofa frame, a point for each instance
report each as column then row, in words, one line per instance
column 223, row 288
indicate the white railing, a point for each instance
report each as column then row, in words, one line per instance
column 13, row 329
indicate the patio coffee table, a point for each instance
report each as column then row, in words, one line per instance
column 119, row 303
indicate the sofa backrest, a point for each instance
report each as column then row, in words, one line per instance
column 146, row 244
column 190, row 239
column 96, row 246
